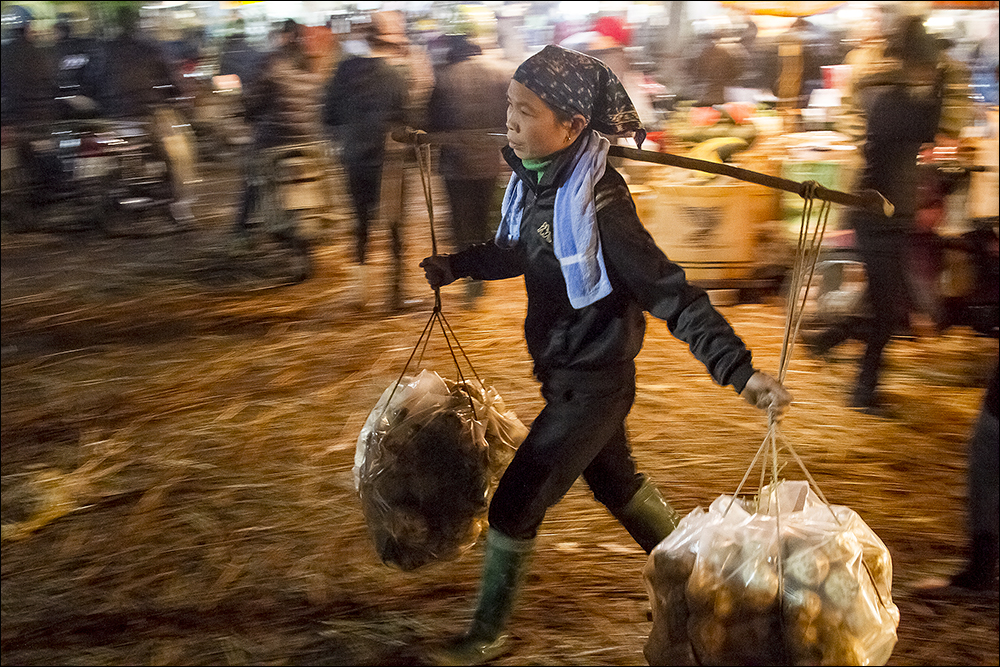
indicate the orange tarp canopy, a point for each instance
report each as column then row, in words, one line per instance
column 783, row 8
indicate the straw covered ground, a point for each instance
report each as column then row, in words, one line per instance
column 177, row 452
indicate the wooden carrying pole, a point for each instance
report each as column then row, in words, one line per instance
column 869, row 200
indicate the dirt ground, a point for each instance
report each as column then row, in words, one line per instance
column 178, row 439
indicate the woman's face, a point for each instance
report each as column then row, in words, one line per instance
column 533, row 129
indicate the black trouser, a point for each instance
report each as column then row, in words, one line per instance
column 248, row 204
column 365, row 184
column 470, row 201
column 885, row 254
column 580, row 431
column 984, row 467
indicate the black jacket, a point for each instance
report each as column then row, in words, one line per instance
column 364, row 100
column 240, row 58
column 900, row 119
column 609, row 333
column 133, row 77
column 282, row 100
column 27, row 83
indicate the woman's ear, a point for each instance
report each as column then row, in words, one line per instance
column 577, row 125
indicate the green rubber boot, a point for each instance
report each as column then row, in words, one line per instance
column 647, row 517
column 504, row 568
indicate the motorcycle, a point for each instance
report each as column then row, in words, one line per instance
column 954, row 276
column 86, row 172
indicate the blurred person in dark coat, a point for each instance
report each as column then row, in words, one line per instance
column 27, row 99
column 982, row 521
column 718, row 64
column 27, row 83
column 134, row 73
column 470, row 93
column 134, row 80
column 237, row 56
column 73, row 55
column 369, row 95
column 281, row 103
column 900, row 98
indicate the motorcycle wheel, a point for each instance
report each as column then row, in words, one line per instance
column 836, row 290
column 17, row 214
column 134, row 217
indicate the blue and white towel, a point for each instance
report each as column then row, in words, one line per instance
column 575, row 238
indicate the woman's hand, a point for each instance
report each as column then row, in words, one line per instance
column 437, row 269
column 764, row 392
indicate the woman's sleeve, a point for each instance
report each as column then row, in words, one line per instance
column 662, row 289
column 488, row 261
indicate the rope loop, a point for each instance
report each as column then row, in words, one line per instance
column 811, row 231
column 423, row 156
column 808, row 190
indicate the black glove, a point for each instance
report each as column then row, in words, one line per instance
column 764, row 392
column 437, row 269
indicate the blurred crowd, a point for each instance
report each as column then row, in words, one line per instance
column 702, row 60
column 247, row 89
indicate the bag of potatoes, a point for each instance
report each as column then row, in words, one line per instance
column 780, row 579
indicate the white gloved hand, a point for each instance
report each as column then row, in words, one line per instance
column 764, row 392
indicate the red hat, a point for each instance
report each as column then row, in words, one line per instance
column 615, row 28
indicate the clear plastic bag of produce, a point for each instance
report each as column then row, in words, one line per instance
column 426, row 460
column 810, row 584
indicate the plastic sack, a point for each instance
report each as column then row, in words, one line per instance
column 720, row 596
column 425, row 463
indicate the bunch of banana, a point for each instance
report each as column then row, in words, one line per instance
column 718, row 149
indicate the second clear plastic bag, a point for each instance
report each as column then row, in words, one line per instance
column 743, row 583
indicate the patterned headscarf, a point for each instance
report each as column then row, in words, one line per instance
column 580, row 84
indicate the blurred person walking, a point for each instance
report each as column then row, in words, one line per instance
column 870, row 34
column 135, row 82
column 719, row 63
column 73, row 54
column 470, row 93
column 281, row 104
column 27, row 107
column 27, row 76
column 982, row 515
column 591, row 271
column 237, row 56
column 900, row 97
column 803, row 50
column 380, row 86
